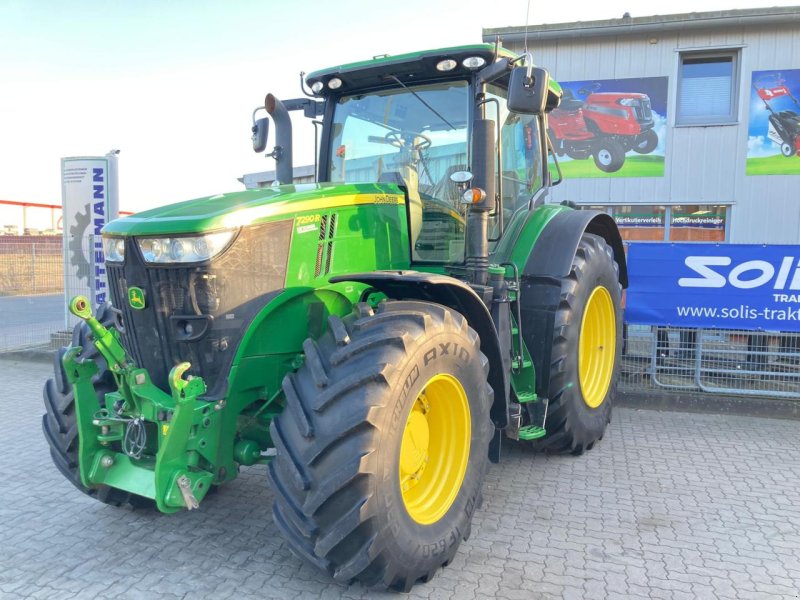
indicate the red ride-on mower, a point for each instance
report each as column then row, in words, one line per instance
column 784, row 125
column 605, row 126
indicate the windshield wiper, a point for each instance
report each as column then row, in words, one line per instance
column 428, row 106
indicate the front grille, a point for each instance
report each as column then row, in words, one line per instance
column 327, row 231
column 644, row 111
column 199, row 313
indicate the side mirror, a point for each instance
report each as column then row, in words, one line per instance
column 528, row 95
column 260, row 133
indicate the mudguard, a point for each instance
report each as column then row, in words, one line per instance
column 548, row 263
column 554, row 249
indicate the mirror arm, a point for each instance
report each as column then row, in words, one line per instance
column 303, row 85
column 494, row 71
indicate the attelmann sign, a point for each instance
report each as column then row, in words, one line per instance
column 734, row 286
column 89, row 198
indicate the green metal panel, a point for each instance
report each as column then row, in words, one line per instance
column 521, row 234
column 239, row 209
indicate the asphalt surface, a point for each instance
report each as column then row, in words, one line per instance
column 668, row 505
column 29, row 320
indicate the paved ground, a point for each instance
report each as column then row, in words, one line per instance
column 669, row 505
column 29, row 320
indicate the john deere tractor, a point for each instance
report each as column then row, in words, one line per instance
column 371, row 338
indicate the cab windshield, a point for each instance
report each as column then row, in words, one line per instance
column 416, row 138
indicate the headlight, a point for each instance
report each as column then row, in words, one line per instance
column 184, row 249
column 114, row 249
column 629, row 101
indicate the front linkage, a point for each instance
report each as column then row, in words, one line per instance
column 143, row 441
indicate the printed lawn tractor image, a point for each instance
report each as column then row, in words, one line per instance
column 371, row 338
column 605, row 126
column 784, row 125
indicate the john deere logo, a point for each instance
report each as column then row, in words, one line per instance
column 136, row 298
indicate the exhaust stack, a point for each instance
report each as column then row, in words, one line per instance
column 283, row 138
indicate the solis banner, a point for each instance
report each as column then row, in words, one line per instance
column 727, row 286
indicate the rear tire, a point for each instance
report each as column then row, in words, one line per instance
column 59, row 423
column 583, row 379
column 341, row 442
column 609, row 156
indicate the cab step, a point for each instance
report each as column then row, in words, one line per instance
column 531, row 432
column 524, row 397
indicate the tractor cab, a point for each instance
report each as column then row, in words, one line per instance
column 410, row 121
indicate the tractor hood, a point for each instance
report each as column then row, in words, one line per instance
column 239, row 209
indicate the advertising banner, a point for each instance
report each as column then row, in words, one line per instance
column 611, row 127
column 727, row 286
column 90, row 200
column 773, row 135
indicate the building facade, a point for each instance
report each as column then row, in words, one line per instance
column 683, row 127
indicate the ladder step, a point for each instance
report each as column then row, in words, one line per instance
column 523, row 397
column 531, row 432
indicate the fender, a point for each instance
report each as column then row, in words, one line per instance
column 456, row 294
column 553, row 252
column 547, row 264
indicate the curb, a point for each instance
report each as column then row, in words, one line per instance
column 771, row 408
column 41, row 356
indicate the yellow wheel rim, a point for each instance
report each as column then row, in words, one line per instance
column 597, row 347
column 434, row 452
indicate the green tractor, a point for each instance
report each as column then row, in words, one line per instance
column 371, row 338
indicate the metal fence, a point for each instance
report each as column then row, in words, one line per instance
column 743, row 363
column 31, row 292
column 714, row 361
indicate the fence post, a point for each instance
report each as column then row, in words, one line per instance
column 33, row 262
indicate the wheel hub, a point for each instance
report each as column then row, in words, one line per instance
column 597, row 347
column 414, row 455
column 434, row 452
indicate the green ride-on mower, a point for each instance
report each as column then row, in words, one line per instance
column 370, row 338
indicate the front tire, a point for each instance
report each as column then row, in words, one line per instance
column 587, row 350
column 646, row 142
column 787, row 149
column 383, row 445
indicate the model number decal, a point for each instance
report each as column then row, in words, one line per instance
column 303, row 219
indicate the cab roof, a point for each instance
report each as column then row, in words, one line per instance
column 413, row 66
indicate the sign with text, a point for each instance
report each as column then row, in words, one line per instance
column 90, row 200
column 728, row 286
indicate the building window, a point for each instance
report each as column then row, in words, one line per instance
column 697, row 223
column 707, row 88
column 672, row 223
column 641, row 223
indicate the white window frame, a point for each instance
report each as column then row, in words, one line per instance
column 732, row 118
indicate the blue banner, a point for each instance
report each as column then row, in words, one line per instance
column 729, row 286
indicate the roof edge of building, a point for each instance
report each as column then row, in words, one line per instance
column 649, row 24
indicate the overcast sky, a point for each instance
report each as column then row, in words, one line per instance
column 173, row 84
